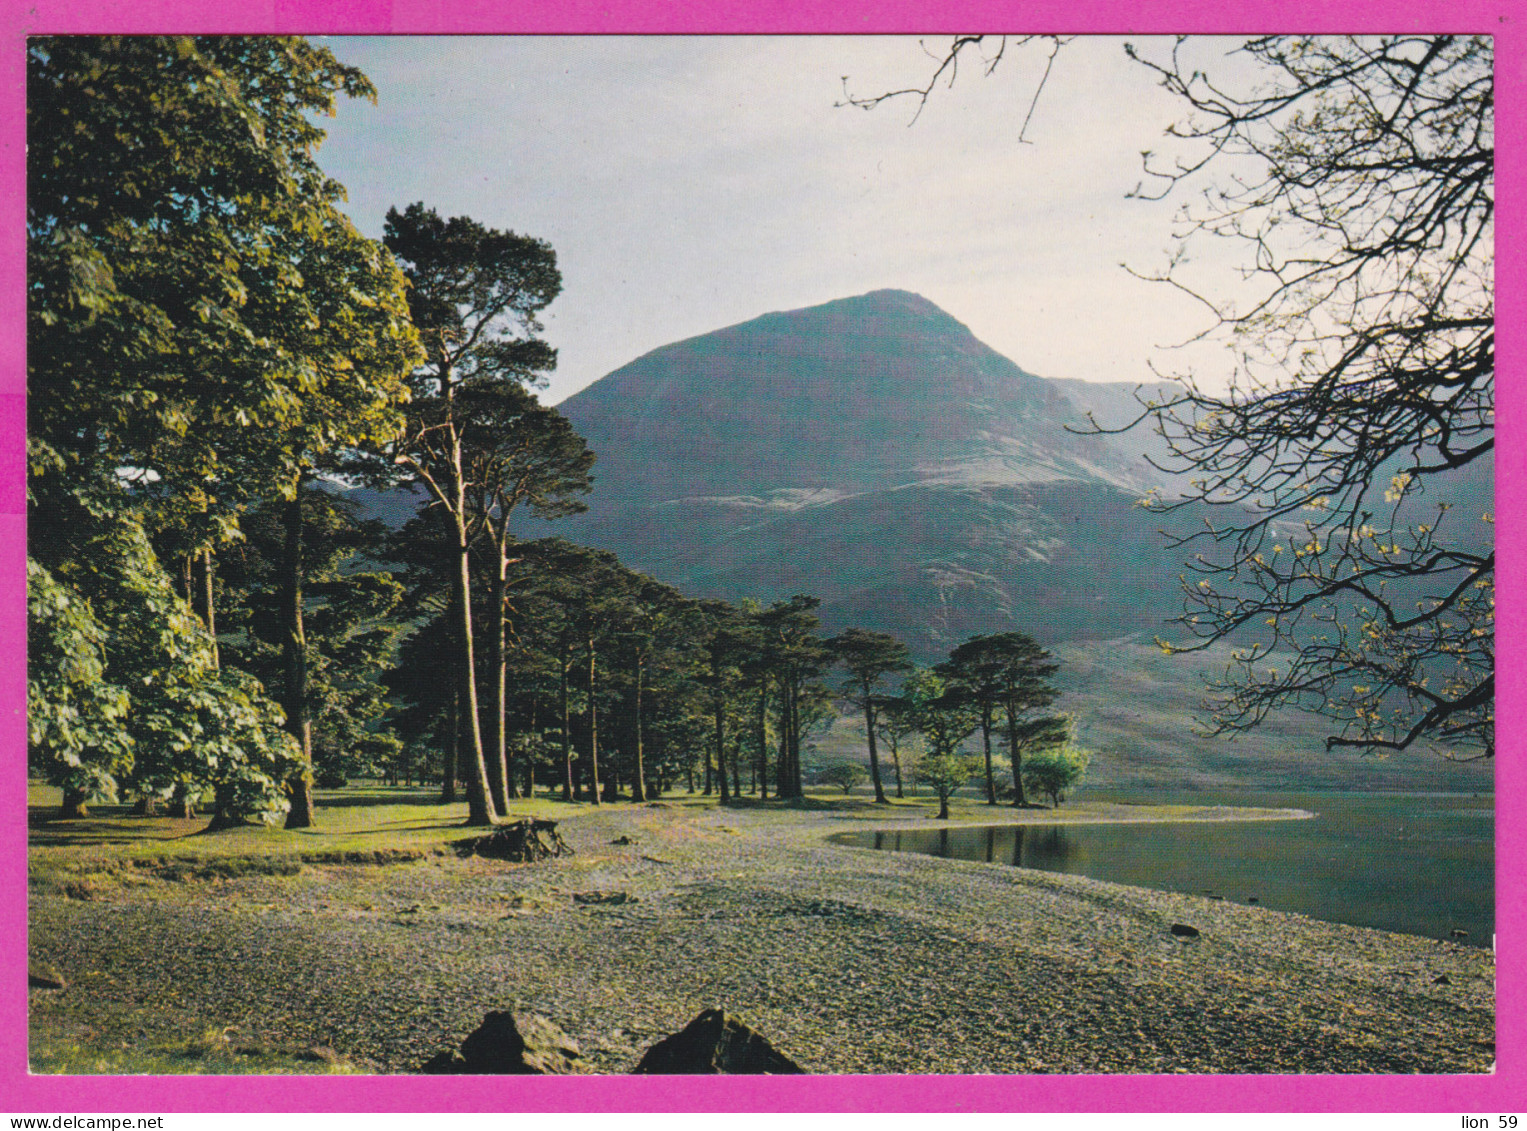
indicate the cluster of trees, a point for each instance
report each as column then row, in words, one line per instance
column 205, row 330
column 216, row 355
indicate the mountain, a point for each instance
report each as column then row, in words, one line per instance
column 873, row 452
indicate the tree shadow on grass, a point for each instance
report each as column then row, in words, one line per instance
column 372, row 798
column 106, row 825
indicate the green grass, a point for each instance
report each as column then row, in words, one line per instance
column 111, row 847
column 112, row 850
column 212, row 1053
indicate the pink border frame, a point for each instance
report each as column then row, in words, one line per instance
column 1502, row 1092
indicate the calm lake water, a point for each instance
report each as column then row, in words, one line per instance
column 1421, row 864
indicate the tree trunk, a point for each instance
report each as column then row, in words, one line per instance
column 294, row 664
column 452, row 752
column 763, row 739
column 73, row 806
column 797, row 783
column 782, row 762
column 530, row 747
column 182, row 804
column 593, row 714
column 497, row 752
column 146, row 806
column 639, row 774
column 896, row 763
column 209, row 608
column 1019, row 801
column 943, row 807
column 567, row 737
column 737, row 766
column 991, row 781
column 718, row 709
column 869, row 730
column 479, row 795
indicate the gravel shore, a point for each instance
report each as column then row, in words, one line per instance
column 848, row 960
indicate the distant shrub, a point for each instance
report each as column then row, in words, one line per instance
column 844, row 775
column 1054, row 771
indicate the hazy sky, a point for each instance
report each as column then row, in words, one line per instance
column 693, row 183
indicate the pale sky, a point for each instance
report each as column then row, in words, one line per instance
column 691, row 183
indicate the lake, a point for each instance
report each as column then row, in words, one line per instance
column 1420, row 864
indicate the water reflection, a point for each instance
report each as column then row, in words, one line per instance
column 1049, row 849
column 1419, row 864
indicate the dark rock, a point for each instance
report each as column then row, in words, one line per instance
column 624, row 840
column 713, row 1044
column 1457, row 934
column 1183, row 931
column 509, row 1044
column 523, row 841
column 612, row 897
column 1442, row 980
column 41, row 976
column 1218, row 897
column 1252, row 899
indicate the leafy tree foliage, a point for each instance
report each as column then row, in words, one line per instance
column 795, row 656
column 843, row 775
column 162, row 716
column 191, row 283
column 349, row 635
column 76, row 736
column 202, row 318
column 1353, row 563
column 869, row 657
column 946, row 772
column 975, row 669
column 897, row 723
column 1056, row 770
column 945, row 717
column 1010, row 672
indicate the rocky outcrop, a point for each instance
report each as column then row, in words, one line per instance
column 714, row 1043
column 510, row 1044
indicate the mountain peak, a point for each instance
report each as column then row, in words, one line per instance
column 870, row 392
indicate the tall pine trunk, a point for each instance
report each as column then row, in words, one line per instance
column 498, row 752
column 479, row 803
column 797, row 784
column 294, row 663
column 718, row 708
column 529, row 749
column 450, row 746
column 567, row 738
column 869, row 730
column 991, row 781
column 639, row 774
column 763, row 738
column 593, row 717
column 1019, row 801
